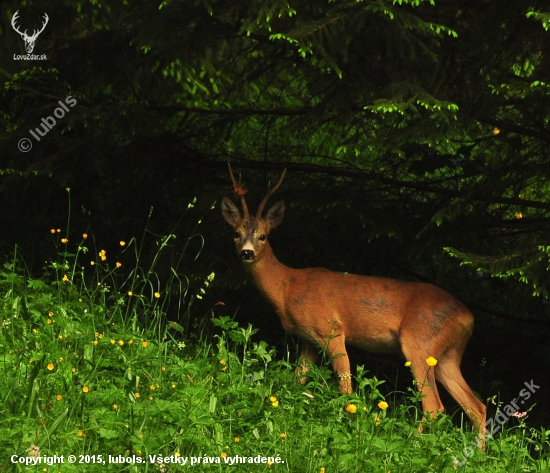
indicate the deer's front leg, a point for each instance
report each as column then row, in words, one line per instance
column 308, row 353
column 340, row 362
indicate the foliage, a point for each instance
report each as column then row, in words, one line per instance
column 433, row 113
column 98, row 372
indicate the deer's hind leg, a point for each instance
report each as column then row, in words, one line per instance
column 449, row 375
column 424, row 377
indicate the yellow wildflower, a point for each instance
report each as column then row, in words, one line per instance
column 431, row 361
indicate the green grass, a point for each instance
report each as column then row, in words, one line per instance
column 93, row 367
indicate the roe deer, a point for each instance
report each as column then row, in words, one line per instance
column 328, row 309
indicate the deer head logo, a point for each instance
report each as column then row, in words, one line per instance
column 29, row 40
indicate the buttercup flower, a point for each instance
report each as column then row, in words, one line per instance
column 383, row 405
column 431, row 361
column 50, row 366
column 408, row 363
column 85, row 389
column 351, row 408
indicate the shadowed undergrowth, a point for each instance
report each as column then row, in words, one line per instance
column 92, row 366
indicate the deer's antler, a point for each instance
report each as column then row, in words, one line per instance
column 239, row 191
column 269, row 194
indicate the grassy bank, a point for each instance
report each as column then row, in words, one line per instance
column 92, row 366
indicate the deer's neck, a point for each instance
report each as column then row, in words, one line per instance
column 271, row 277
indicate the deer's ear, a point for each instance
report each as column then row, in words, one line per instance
column 230, row 212
column 275, row 214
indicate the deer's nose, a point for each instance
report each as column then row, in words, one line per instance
column 247, row 255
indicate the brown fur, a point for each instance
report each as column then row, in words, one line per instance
column 329, row 310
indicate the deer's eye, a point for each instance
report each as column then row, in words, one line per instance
column 237, row 235
column 262, row 237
